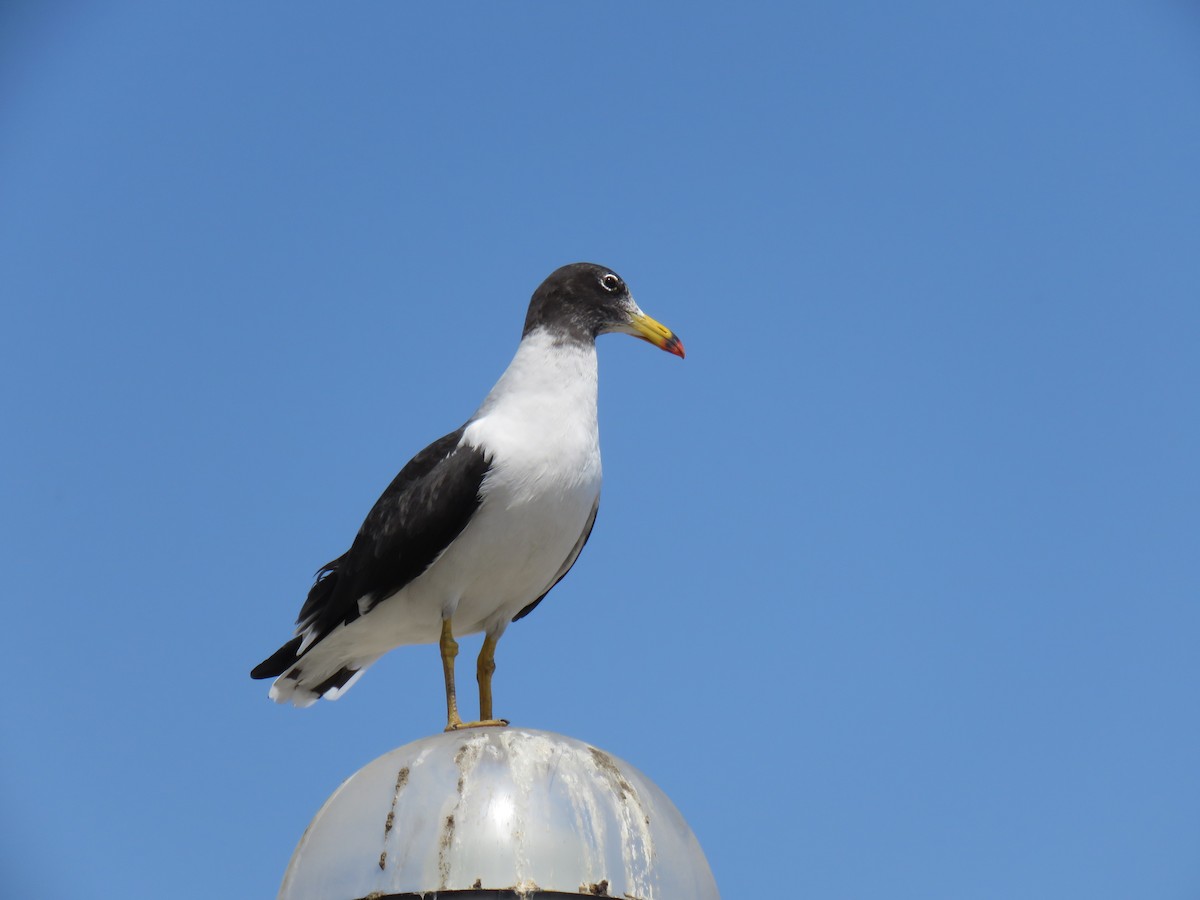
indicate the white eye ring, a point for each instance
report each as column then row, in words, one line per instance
column 609, row 282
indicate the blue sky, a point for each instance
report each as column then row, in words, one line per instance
column 894, row 588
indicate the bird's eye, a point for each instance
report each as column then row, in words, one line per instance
column 610, row 282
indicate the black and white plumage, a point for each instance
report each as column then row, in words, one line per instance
column 480, row 525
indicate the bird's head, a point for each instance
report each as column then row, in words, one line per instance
column 587, row 300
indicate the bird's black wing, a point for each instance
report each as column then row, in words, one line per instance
column 422, row 511
column 566, row 566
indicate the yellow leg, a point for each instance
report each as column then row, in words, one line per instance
column 449, row 648
column 484, row 668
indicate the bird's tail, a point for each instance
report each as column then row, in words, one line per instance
column 303, row 677
column 308, row 666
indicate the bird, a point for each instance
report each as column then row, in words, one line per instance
column 480, row 526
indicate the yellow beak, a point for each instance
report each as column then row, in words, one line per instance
column 658, row 334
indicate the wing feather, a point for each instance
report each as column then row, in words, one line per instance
column 423, row 510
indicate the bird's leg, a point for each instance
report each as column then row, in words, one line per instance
column 484, row 667
column 449, row 648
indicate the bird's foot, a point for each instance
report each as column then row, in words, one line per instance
column 483, row 723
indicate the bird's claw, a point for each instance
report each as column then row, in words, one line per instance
column 483, row 723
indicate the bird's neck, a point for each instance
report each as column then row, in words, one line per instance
column 548, row 391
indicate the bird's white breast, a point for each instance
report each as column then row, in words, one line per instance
column 538, row 426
